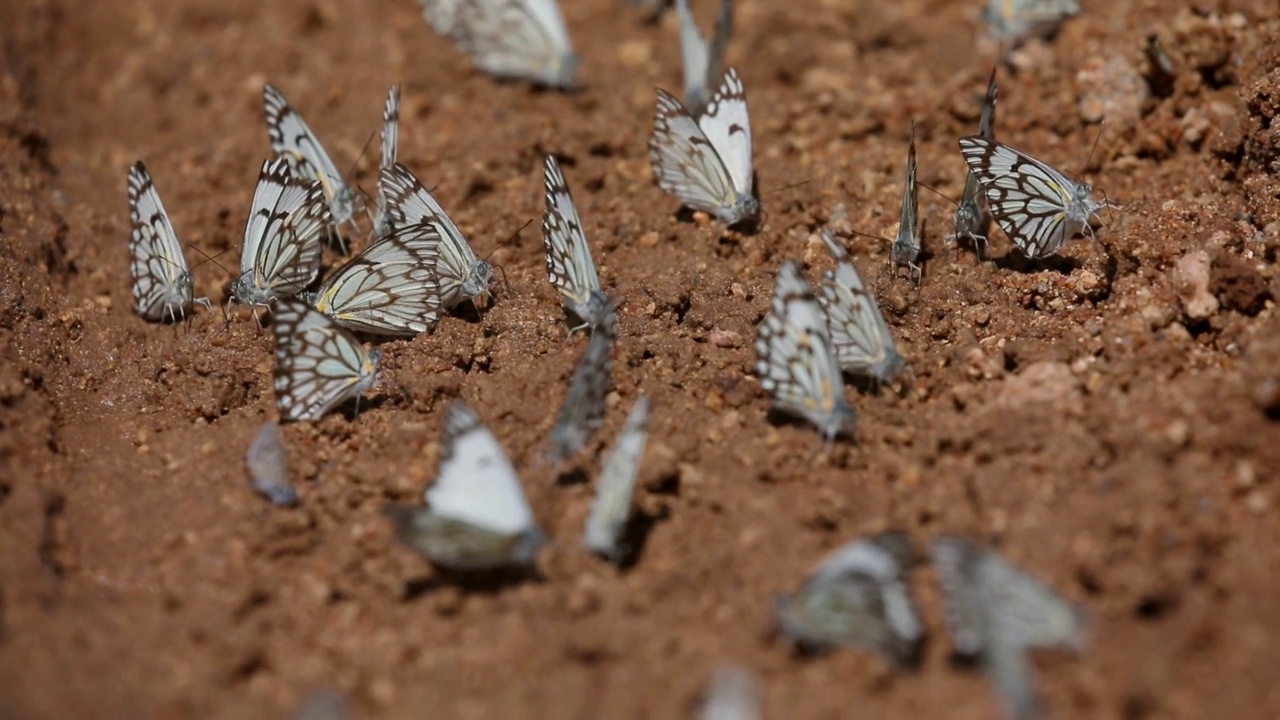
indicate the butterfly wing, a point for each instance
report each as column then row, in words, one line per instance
column 971, row 217
column 318, row 364
column 1027, row 198
column 860, row 336
column 695, row 55
column 292, row 138
column 733, row 695
column 570, row 268
column 281, row 254
column 523, row 39
column 686, row 163
column 906, row 247
column 794, row 358
column 477, row 484
column 269, row 466
column 390, row 139
column 728, row 126
column 388, row 289
column 460, row 274
column 161, row 280
column 441, row 14
column 584, row 406
column 612, row 504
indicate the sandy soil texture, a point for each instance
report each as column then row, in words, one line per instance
column 1107, row 419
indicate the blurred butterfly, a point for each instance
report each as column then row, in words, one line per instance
column 906, row 247
column 319, row 365
column 517, row 39
column 859, row 597
column 269, row 466
column 707, row 162
column 1015, row 20
column 461, row 275
column 569, row 265
column 390, row 138
column 702, row 61
column 612, row 504
column 1038, row 207
column 441, row 14
column 291, row 138
column 161, row 281
column 795, row 360
column 477, row 516
column 281, row 253
column 861, row 338
column 390, row 288
column 733, row 696
column 972, row 216
column 583, row 409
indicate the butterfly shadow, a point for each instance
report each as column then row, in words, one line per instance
column 474, row 582
column 1017, row 262
column 635, row 535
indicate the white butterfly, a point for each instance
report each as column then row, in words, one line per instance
column 269, row 466
column 861, row 338
column 319, row 365
column 1014, row 20
column 569, row 265
column 795, row 360
column 584, row 408
column 707, row 163
column 161, row 281
column 390, row 138
column 972, row 216
column 388, row 289
column 441, row 14
column 733, row 696
column 292, row 139
column 859, row 597
column 906, row 247
column 281, row 253
column 612, row 504
column 461, row 275
column 477, row 516
column 702, row 61
column 519, row 39
column 1038, row 207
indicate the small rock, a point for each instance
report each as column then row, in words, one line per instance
column 1190, row 275
column 1048, row 382
column 725, row 339
column 1113, row 90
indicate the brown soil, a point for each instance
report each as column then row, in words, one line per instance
column 1109, row 421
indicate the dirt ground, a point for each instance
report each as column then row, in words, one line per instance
column 1107, row 420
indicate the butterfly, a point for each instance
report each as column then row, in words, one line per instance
column 441, row 14
column 795, row 360
column 517, row 39
column 972, row 216
column 390, row 138
column 859, row 596
column 861, row 338
column 461, row 275
column 733, row 696
column 1038, row 207
column 281, row 253
column 707, row 163
column 612, row 504
column 319, row 365
column 291, row 138
column 269, row 466
column 390, row 288
column 906, row 247
column 702, row 61
column 583, row 409
column 569, row 265
column 162, row 284
column 1014, row 20
column 988, row 601
column 477, row 516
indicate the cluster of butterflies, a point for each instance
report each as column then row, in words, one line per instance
column 859, row 596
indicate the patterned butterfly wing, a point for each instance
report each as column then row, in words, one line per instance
column 1038, row 207
column 281, row 253
column 702, row 60
column 319, row 365
column 728, row 126
column 161, row 281
column 794, row 358
column 612, row 504
column 584, row 407
column 292, row 138
column 388, row 289
column 390, row 139
column 462, row 276
column 860, row 336
column 520, row 39
column 570, row 268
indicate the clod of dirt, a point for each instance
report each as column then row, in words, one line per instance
column 1238, row 284
column 1042, row 382
column 1112, row 90
column 1190, row 275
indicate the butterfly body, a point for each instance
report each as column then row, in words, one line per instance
column 162, row 284
column 319, row 365
column 706, row 162
column 281, row 252
column 860, row 336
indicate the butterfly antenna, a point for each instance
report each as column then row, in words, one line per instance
column 1094, row 147
column 209, row 258
column 788, row 187
column 939, row 193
